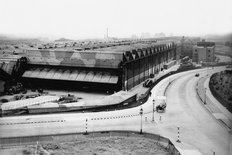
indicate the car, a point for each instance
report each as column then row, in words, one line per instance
column 148, row 83
column 197, row 75
column 161, row 101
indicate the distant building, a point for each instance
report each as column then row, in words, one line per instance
column 145, row 35
column 187, row 46
column 133, row 36
column 204, row 52
column 159, row 35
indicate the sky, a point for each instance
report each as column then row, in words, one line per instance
column 76, row 19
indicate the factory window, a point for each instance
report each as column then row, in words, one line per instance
column 208, row 55
column 208, row 50
column 195, row 50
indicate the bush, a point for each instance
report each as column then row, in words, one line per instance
column 230, row 98
column 51, row 146
column 26, row 152
column 222, row 91
column 4, row 100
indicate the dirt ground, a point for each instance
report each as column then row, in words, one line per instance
column 224, row 58
column 94, row 146
column 83, row 96
column 223, row 49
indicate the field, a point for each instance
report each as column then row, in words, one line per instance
column 223, row 50
column 223, row 58
column 95, row 146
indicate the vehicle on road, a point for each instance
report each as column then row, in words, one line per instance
column 161, row 101
column 197, row 74
column 148, row 83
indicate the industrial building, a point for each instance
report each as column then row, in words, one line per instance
column 110, row 66
column 187, row 46
column 204, row 52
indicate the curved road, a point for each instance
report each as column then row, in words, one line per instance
column 197, row 126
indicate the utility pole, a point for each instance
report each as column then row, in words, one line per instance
column 230, row 142
column 106, row 33
column 86, row 126
column 141, row 113
column 206, row 61
column 153, row 110
column 37, row 143
column 205, row 95
column 178, row 135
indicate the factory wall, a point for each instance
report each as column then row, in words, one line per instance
column 134, row 67
column 139, row 64
column 2, row 86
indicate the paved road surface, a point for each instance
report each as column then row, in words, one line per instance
column 198, row 129
column 197, row 126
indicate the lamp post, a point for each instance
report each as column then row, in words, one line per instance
column 141, row 113
column 37, row 143
column 153, row 110
column 205, row 95
column 230, row 142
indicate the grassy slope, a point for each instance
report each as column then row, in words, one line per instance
column 221, row 87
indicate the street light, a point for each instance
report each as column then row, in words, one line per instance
column 153, row 110
column 205, row 95
column 230, row 142
column 141, row 113
column 36, row 149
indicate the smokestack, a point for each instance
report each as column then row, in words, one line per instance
column 106, row 33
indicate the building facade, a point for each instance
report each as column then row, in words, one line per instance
column 204, row 52
column 187, row 46
column 111, row 66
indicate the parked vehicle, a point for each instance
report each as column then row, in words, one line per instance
column 148, row 83
column 67, row 99
column 14, row 88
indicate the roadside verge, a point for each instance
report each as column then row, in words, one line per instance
column 212, row 105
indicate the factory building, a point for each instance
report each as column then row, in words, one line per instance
column 187, row 44
column 186, row 47
column 204, row 52
column 139, row 64
column 11, row 68
column 110, row 67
